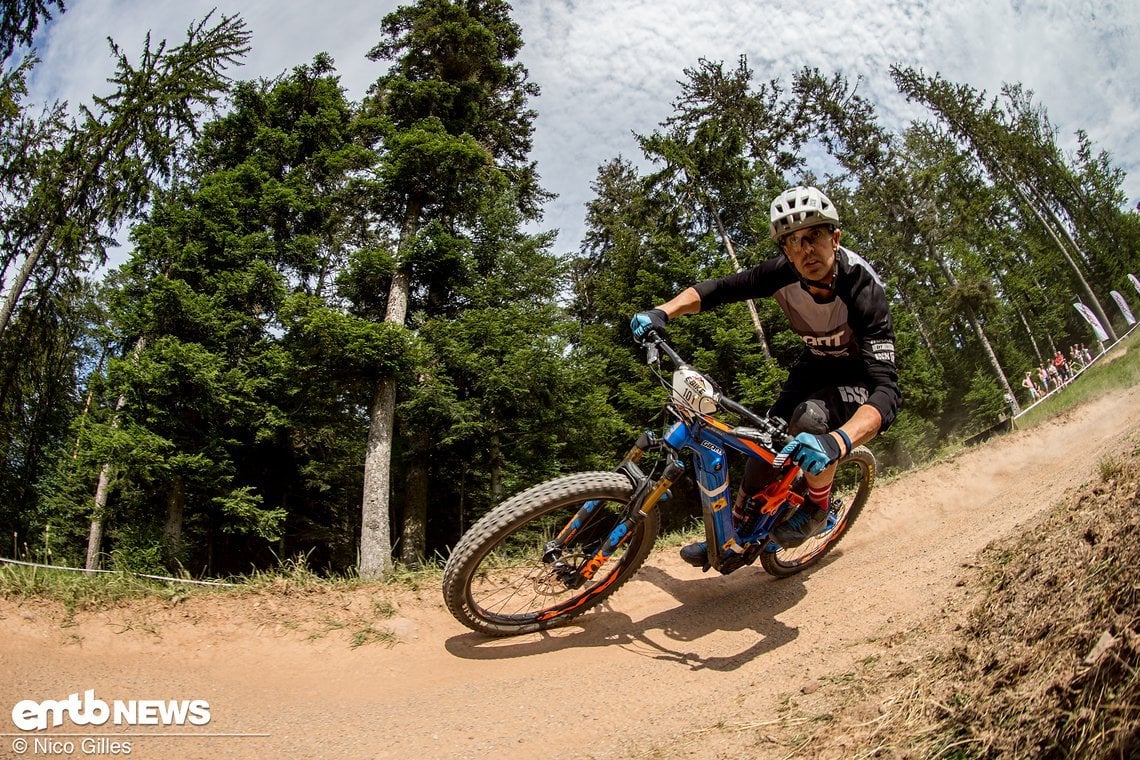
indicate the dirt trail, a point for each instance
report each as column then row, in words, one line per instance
column 672, row 655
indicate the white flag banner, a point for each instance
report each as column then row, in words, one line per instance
column 1135, row 282
column 1087, row 313
column 1123, row 306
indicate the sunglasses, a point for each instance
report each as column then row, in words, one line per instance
column 813, row 236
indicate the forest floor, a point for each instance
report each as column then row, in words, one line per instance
column 677, row 664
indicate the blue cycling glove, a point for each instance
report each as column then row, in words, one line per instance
column 811, row 452
column 644, row 321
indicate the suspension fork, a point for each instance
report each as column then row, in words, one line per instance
column 630, row 522
column 647, row 493
column 627, row 467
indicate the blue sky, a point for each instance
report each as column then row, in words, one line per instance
column 609, row 68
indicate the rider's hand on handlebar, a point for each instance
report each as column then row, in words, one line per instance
column 644, row 321
column 811, row 452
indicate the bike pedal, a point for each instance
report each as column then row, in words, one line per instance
column 735, row 561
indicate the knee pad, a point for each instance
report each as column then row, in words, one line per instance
column 809, row 417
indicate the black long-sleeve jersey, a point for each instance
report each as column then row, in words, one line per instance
column 851, row 327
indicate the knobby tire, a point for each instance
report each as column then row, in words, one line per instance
column 497, row 582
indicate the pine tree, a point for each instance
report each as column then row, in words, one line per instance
column 228, row 285
column 456, row 128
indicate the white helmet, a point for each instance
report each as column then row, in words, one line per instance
column 800, row 207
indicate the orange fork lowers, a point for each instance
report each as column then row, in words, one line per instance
column 623, row 529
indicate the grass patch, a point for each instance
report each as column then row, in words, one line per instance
column 339, row 606
column 383, row 608
column 428, row 572
column 1109, row 468
column 78, row 591
column 694, row 530
column 370, row 635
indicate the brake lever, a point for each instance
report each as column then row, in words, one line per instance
column 652, row 355
column 767, row 438
column 751, row 434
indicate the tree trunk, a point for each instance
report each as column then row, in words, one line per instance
column 994, row 361
column 981, row 334
column 757, row 325
column 22, row 276
column 461, row 517
column 87, row 406
column 703, row 200
column 172, row 530
column 102, row 490
column 95, row 532
column 1029, row 333
column 496, row 467
column 375, row 522
column 1049, row 227
column 923, row 333
column 67, row 207
column 375, row 526
column 413, row 536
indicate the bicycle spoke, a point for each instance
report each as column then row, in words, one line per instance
column 849, row 492
column 519, row 580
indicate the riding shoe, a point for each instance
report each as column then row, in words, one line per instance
column 804, row 523
column 696, row 554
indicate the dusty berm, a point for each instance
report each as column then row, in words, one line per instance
column 1044, row 664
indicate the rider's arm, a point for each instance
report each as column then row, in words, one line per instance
column 760, row 281
column 870, row 318
column 862, row 427
column 685, row 302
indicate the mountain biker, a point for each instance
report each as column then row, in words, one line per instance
column 843, row 390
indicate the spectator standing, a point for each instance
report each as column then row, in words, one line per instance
column 1031, row 386
column 1075, row 361
column 1062, row 367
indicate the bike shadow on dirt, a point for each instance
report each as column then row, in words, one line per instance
column 747, row 600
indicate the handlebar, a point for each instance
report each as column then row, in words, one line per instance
column 767, row 426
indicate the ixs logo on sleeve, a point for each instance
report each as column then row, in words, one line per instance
column 884, row 350
column 30, row 715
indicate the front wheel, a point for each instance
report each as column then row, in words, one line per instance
column 854, row 478
column 502, row 579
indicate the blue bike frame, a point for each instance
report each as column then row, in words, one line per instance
column 710, row 440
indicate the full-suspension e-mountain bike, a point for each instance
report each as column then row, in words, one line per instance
column 559, row 548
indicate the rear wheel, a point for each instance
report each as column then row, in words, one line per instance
column 854, row 478
column 501, row 578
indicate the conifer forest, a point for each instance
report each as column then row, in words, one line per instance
column 340, row 333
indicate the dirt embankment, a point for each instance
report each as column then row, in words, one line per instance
column 677, row 664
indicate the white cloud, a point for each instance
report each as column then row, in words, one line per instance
column 610, row 67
